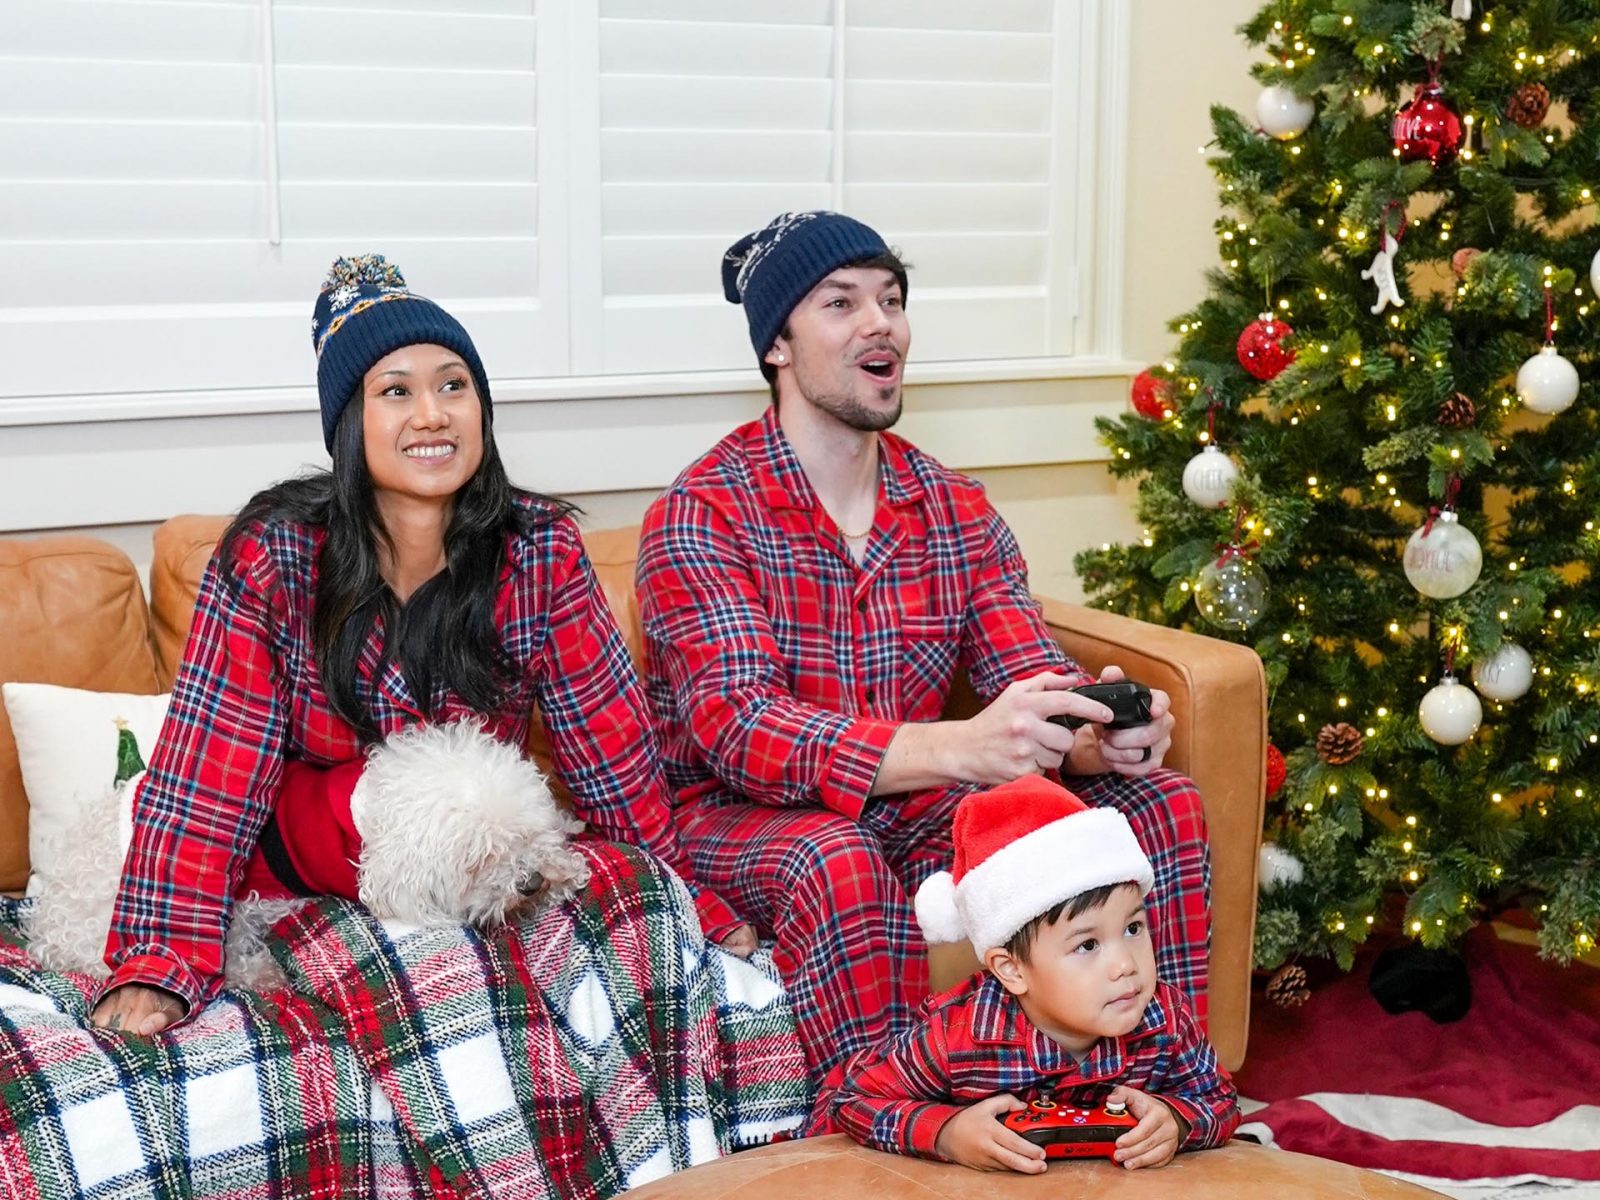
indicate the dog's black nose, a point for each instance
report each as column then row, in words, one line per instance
column 532, row 885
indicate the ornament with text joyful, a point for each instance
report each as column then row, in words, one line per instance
column 1451, row 712
column 1151, row 396
column 1231, row 591
column 1261, row 349
column 1443, row 558
column 1427, row 127
column 1381, row 271
column 1282, row 114
column 1505, row 675
column 1209, row 477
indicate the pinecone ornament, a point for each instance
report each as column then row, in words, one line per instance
column 1339, row 744
column 1528, row 105
column 1288, row 988
column 1457, row 412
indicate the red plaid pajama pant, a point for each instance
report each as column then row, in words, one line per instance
column 835, row 893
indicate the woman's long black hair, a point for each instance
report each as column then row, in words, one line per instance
column 445, row 633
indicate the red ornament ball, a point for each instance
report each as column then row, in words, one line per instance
column 1427, row 127
column 1277, row 770
column 1261, row 348
column 1152, row 396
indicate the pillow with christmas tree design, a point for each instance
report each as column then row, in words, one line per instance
column 68, row 746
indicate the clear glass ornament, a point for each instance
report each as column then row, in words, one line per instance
column 1451, row 712
column 1231, row 591
column 1444, row 561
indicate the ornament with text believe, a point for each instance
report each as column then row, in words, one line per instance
column 1443, row 558
column 1231, row 590
column 1427, row 127
column 1505, row 675
column 1261, row 350
column 1209, row 477
column 1451, row 712
column 1282, row 114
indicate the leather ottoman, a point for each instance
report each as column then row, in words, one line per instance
column 833, row 1166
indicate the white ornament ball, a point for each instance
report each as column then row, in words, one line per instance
column 1594, row 272
column 1507, row 674
column 1231, row 592
column 1209, row 477
column 1451, row 712
column 1547, row 383
column 1283, row 114
column 1444, row 561
column 1278, row 867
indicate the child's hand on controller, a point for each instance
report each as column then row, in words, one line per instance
column 1157, row 1136
column 975, row 1138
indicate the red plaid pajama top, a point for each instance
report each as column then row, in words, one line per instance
column 248, row 697
column 974, row 1042
column 778, row 671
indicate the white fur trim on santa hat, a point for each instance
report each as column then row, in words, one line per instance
column 1055, row 862
column 935, row 904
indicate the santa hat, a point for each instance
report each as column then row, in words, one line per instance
column 1021, row 849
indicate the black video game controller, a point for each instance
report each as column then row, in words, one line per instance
column 1128, row 701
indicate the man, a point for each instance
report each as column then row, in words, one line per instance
column 809, row 590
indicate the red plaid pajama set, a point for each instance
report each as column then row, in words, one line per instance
column 975, row 1041
column 778, row 671
column 249, row 736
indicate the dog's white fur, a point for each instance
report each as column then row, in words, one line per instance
column 454, row 827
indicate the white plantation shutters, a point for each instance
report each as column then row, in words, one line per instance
column 136, row 193
column 562, row 174
column 939, row 122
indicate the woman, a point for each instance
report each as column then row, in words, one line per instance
column 410, row 583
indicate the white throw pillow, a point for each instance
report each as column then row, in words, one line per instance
column 67, row 749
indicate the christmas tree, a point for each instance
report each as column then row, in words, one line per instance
column 1374, row 456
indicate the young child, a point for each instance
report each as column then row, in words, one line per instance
column 1051, row 894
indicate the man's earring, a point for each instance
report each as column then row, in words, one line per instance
column 780, row 358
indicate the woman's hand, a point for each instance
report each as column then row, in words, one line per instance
column 135, row 1008
column 742, row 942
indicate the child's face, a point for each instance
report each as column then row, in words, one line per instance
column 1089, row 976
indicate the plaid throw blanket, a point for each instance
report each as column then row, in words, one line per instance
column 597, row 1048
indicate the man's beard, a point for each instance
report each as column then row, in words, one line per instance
column 849, row 411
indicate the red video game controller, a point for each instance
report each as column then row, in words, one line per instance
column 1066, row 1131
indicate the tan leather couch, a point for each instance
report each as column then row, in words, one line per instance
column 72, row 612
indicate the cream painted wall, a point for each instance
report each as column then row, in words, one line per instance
column 1186, row 56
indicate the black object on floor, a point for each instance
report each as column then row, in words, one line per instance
column 1413, row 978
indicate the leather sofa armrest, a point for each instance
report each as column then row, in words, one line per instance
column 1219, row 698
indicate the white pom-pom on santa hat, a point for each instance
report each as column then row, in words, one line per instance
column 936, row 909
column 1021, row 849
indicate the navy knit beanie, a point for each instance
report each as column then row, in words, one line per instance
column 771, row 270
column 364, row 312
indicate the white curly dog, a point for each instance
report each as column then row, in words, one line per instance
column 456, row 829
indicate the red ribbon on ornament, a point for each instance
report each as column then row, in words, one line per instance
column 1383, row 221
column 1452, row 488
column 1232, row 548
column 1450, row 658
column 1549, row 317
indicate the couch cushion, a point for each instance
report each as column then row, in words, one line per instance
column 73, row 615
column 836, row 1166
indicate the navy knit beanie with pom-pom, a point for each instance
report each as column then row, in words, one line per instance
column 364, row 312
